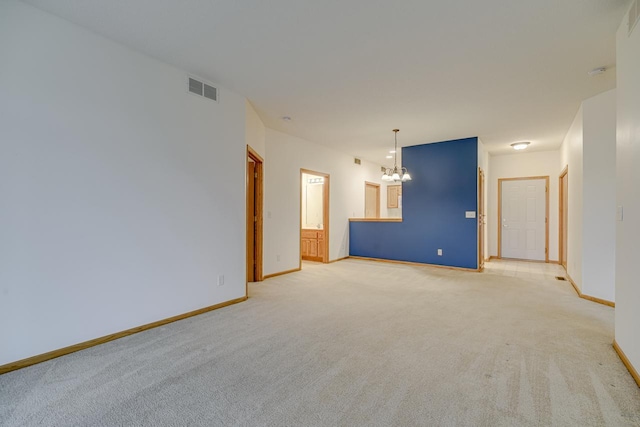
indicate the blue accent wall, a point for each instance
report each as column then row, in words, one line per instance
column 434, row 203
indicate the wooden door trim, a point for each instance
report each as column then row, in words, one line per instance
column 251, row 220
column 546, row 222
column 325, row 213
column 561, row 224
column 377, row 186
column 481, row 229
column 259, row 201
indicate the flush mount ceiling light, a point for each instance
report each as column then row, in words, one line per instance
column 520, row 145
column 393, row 175
column 597, row 71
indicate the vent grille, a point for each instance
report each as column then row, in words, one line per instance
column 357, row 161
column 202, row 89
column 195, row 86
column 634, row 15
column 210, row 92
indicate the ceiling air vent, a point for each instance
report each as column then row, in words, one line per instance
column 357, row 161
column 634, row 15
column 199, row 88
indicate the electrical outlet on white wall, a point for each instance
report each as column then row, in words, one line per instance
column 221, row 280
column 278, row 257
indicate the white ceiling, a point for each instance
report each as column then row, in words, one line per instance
column 348, row 72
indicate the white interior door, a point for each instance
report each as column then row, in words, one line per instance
column 523, row 219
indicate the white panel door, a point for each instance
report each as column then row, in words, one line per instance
column 523, row 219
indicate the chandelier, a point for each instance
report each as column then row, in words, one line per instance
column 393, row 175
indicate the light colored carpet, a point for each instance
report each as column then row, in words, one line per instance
column 351, row 343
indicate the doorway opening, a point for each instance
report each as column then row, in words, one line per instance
column 254, row 192
column 523, row 212
column 371, row 200
column 563, row 216
column 314, row 216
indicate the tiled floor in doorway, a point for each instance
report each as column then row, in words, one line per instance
column 524, row 269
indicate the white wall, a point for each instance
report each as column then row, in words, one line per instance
column 571, row 157
column 524, row 164
column 599, row 196
column 120, row 191
column 628, row 196
column 589, row 152
column 286, row 156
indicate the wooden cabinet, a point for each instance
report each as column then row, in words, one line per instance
column 394, row 192
column 321, row 245
column 304, row 247
column 312, row 245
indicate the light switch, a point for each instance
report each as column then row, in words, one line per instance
column 470, row 214
column 619, row 214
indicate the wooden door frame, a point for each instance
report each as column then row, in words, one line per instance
column 546, row 221
column 561, row 224
column 325, row 213
column 482, row 194
column 377, row 186
column 259, row 206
